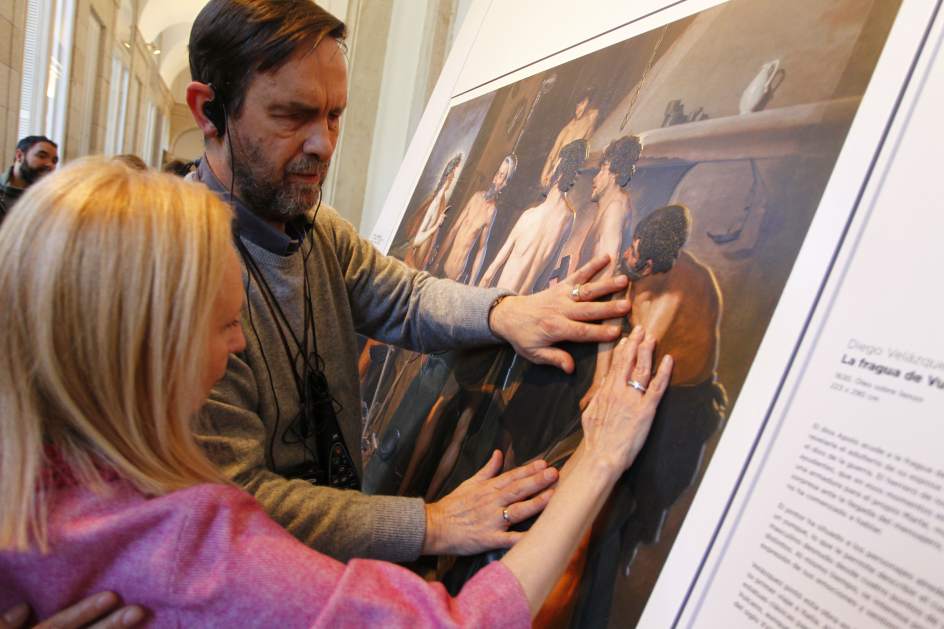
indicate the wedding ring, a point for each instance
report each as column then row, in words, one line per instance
column 637, row 385
column 575, row 292
column 505, row 516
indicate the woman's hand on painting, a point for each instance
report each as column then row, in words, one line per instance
column 567, row 311
column 617, row 419
column 476, row 516
column 615, row 426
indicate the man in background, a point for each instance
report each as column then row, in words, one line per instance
column 36, row 156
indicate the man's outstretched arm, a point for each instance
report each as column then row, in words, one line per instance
column 349, row 524
column 399, row 305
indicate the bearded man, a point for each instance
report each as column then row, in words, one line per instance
column 36, row 156
column 269, row 92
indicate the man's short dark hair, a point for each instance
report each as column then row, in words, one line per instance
column 661, row 235
column 571, row 158
column 622, row 154
column 32, row 140
column 231, row 40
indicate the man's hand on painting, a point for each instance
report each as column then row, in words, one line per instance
column 476, row 516
column 532, row 324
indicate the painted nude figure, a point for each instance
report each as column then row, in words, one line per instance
column 540, row 231
column 463, row 249
column 433, row 212
column 614, row 207
column 580, row 127
column 676, row 298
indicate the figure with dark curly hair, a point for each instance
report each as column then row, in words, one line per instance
column 673, row 294
column 610, row 191
column 540, row 231
column 677, row 299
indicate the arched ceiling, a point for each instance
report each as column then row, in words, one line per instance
column 168, row 22
column 173, row 43
column 157, row 15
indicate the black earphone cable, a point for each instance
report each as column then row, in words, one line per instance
column 281, row 320
column 254, row 272
column 249, row 276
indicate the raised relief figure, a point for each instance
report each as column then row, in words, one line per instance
column 464, row 245
column 580, row 127
column 422, row 249
column 537, row 237
column 676, row 298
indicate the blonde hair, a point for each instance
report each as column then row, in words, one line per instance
column 108, row 279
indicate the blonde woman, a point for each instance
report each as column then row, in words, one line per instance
column 121, row 303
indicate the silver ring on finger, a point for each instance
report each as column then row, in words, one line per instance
column 506, row 517
column 575, row 292
column 639, row 386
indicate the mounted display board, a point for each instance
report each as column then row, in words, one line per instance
column 761, row 170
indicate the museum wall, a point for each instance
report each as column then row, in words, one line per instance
column 395, row 53
column 128, row 72
column 103, row 38
column 12, row 23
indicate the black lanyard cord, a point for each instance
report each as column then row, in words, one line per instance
column 318, row 413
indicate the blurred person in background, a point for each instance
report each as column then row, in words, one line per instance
column 36, row 156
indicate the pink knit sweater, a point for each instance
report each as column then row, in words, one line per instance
column 210, row 556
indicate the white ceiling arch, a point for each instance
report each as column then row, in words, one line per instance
column 157, row 15
column 169, row 21
column 174, row 57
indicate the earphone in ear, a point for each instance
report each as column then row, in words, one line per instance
column 215, row 111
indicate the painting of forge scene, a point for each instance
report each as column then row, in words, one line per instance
column 493, row 159
column 386, row 372
column 696, row 155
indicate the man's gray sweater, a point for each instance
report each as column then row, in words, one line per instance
column 353, row 289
